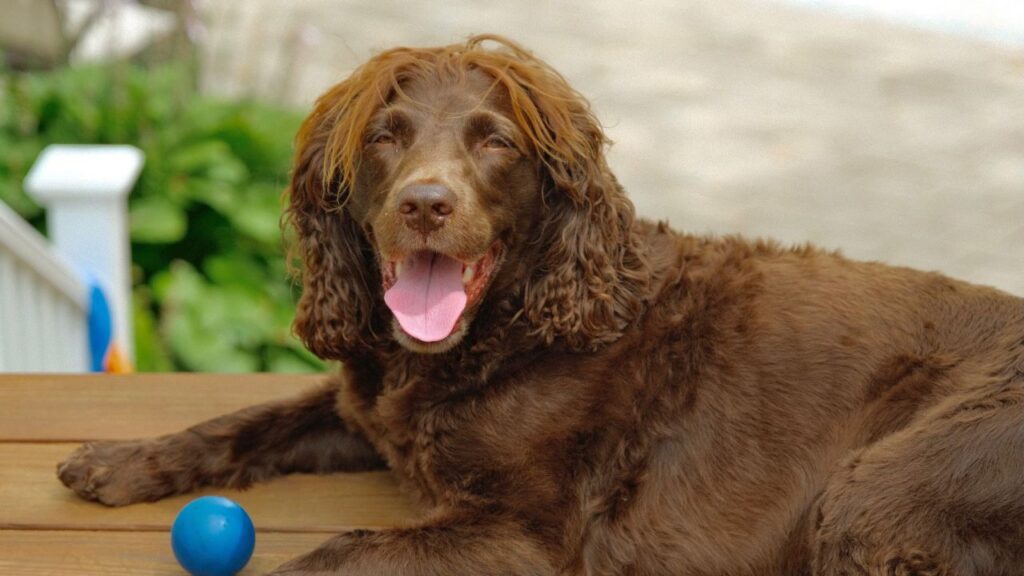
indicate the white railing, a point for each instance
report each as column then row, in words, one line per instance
column 43, row 308
column 47, row 286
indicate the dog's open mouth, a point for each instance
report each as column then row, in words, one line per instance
column 428, row 291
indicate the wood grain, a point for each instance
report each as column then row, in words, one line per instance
column 32, row 497
column 61, row 408
column 46, row 529
column 77, row 553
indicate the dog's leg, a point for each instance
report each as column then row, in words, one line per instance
column 942, row 497
column 304, row 434
column 463, row 543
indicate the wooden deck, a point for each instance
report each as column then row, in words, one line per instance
column 46, row 529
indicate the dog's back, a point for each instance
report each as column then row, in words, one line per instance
column 794, row 364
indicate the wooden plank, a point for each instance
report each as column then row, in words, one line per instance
column 50, row 553
column 54, row 408
column 31, row 497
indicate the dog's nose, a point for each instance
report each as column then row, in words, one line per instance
column 425, row 207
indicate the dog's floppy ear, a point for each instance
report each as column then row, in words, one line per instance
column 336, row 307
column 593, row 272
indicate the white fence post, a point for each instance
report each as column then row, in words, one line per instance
column 85, row 191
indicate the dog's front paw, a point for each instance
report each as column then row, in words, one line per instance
column 115, row 473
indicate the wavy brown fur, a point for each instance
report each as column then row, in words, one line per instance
column 625, row 399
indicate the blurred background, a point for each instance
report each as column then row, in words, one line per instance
column 892, row 130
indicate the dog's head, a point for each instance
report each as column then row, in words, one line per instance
column 432, row 180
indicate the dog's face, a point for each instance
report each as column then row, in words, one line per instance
column 434, row 180
column 447, row 187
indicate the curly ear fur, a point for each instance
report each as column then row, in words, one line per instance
column 334, row 312
column 593, row 275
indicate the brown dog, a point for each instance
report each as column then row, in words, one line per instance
column 568, row 390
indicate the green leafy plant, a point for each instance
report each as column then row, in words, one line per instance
column 211, row 288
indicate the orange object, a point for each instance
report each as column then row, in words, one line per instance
column 116, row 363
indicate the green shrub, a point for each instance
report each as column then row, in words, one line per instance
column 211, row 289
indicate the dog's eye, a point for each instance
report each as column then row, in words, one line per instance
column 382, row 138
column 497, row 142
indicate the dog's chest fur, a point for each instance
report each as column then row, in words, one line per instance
column 472, row 436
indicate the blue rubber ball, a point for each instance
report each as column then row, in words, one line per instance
column 212, row 536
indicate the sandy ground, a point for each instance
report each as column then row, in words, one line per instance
column 728, row 116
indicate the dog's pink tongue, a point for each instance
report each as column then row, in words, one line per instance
column 428, row 296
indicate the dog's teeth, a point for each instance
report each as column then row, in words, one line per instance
column 398, row 269
column 467, row 275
